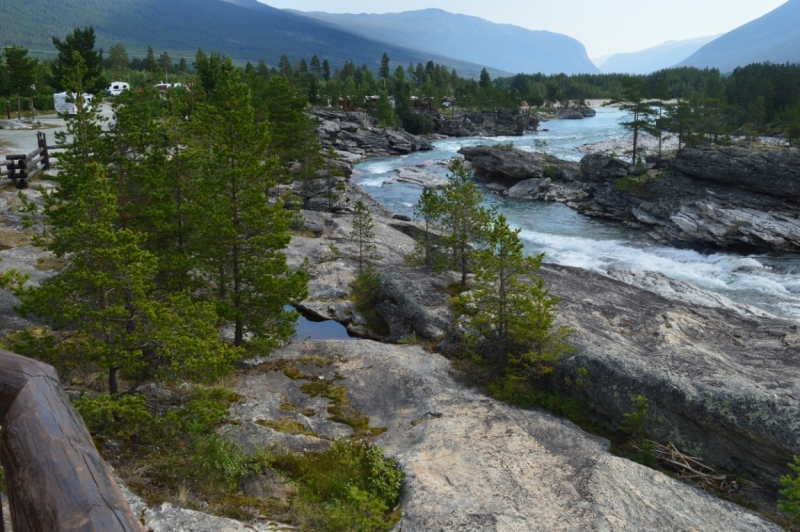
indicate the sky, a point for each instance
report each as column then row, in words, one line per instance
column 604, row 26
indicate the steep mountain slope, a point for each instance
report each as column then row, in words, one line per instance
column 243, row 29
column 775, row 37
column 656, row 58
column 502, row 46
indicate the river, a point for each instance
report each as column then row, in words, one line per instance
column 769, row 282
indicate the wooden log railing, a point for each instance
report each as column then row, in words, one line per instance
column 56, row 479
column 20, row 168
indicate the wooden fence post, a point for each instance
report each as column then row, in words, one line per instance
column 41, row 139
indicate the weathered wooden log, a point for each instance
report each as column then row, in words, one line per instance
column 57, row 481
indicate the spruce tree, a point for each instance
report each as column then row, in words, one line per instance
column 384, row 111
column 238, row 235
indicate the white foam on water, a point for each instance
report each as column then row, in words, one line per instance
column 744, row 279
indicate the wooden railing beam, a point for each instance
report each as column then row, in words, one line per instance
column 56, row 479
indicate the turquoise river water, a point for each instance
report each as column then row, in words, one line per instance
column 769, row 282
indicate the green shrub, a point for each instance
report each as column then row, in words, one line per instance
column 365, row 288
column 551, row 171
column 522, row 393
column 349, row 487
column 116, row 417
column 791, row 492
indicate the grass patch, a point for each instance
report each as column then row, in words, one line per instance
column 351, row 487
column 342, row 411
column 636, row 184
column 10, row 239
column 285, row 425
column 286, row 406
column 50, row 263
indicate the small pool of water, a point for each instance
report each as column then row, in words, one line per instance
column 310, row 328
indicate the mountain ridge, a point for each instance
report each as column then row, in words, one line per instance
column 470, row 39
column 244, row 29
column 774, row 37
column 659, row 57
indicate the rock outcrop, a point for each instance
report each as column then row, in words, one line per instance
column 712, row 198
column 484, row 124
column 575, row 113
column 772, row 172
column 358, row 134
column 473, row 463
column 723, row 379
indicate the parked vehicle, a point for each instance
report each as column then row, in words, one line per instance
column 164, row 87
column 64, row 103
column 116, row 88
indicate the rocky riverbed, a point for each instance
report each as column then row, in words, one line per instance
column 722, row 382
column 707, row 197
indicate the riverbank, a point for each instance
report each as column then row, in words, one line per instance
column 690, row 352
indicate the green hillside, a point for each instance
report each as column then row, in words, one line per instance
column 244, row 29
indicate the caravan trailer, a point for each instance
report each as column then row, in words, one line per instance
column 63, row 106
column 116, row 88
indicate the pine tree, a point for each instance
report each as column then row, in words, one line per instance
column 363, row 234
column 106, row 295
column 80, row 41
column 510, row 313
column 20, row 73
column 428, row 210
column 633, row 100
column 463, row 218
column 165, row 63
column 238, row 234
column 118, row 60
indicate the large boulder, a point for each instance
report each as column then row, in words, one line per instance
column 359, row 135
column 498, row 163
column 529, row 188
column 723, row 383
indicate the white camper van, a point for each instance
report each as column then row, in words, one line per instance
column 116, row 88
column 68, row 107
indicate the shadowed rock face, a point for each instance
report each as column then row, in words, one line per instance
column 473, row 463
column 722, row 383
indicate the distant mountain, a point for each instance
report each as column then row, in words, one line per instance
column 653, row 59
column 244, row 29
column 503, row 46
column 775, row 37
